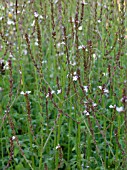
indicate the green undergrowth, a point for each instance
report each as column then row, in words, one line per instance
column 63, row 85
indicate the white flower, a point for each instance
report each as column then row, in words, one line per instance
column 41, row 17
column 13, row 137
column 94, row 104
column 22, row 93
column 106, row 91
column 105, row 74
column 28, row 92
column 1, row 61
column 124, row 99
column 100, row 87
column 119, row 109
column 112, row 107
column 75, row 78
column 33, row 23
column 58, row 146
column 58, row 45
column 1, row 89
column 72, row 63
column 56, row 1
column 59, row 91
column 75, row 73
column 6, row 66
column 73, row 108
column 44, row 61
column 62, row 43
column 36, row 14
column 20, row 72
column 94, row 56
column 36, row 43
column 99, row 21
column 80, row 28
column 81, row 47
column 10, row 22
column 25, row 52
column 47, row 95
column 87, row 166
column 86, row 113
column 11, row 56
column 85, row 88
column 85, row 3
column 52, row 92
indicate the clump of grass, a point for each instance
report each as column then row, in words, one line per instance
column 63, row 85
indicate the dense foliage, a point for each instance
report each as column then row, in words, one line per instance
column 63, row 85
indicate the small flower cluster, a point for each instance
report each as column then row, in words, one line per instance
column 118, row 109
column 104, row 90
column 89, row 106
column 25, row 93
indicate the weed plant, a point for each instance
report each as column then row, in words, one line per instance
column 63, row 85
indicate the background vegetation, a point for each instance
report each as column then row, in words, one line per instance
column 63, row 85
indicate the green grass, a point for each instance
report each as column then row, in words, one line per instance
column 63, row 85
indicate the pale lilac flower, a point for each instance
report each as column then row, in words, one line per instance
column 106, row 91
column 25, row 52
column 119, row 109
column 99, row 21
column 36, row 14
column 124, row 99
column 75, row 78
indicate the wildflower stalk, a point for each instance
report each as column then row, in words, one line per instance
column 30, row 129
